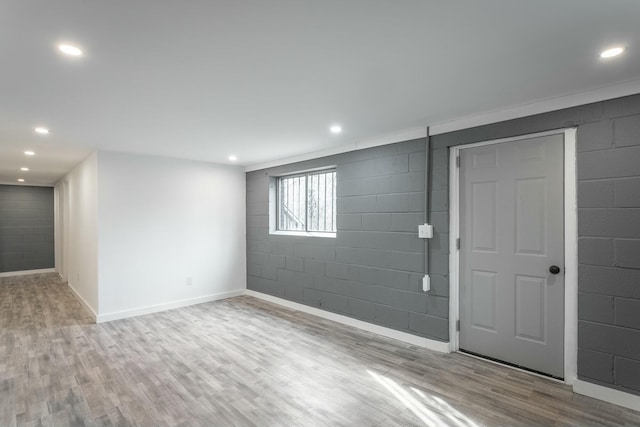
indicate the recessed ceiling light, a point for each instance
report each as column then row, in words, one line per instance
column 29, row 153
column 335, row 129
column 20, row 180
column 24, row 169
column 233, row 158
column 43, row 131
column 69, row 50
column 610, row 53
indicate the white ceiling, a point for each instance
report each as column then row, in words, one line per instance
column 202, row 79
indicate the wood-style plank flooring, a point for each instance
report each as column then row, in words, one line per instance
column 245, row 362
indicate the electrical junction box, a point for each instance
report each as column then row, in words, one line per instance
column 426, row 283
column 425, row 231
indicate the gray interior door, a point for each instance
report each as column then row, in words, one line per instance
column 511, row 234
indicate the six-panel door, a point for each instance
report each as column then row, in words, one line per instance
column 511, row 233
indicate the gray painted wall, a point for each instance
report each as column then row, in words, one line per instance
column 372, row 270
column 364, row 272
column 608, row 162
column 26, row 228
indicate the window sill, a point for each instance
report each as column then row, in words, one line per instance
column 303, row 234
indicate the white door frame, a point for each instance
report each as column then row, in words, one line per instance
column 570, row 246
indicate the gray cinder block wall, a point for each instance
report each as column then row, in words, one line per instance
column 608, row 169
column 373, row 269
column 26, row 228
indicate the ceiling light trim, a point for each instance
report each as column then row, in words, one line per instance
column 70, row 50
column 612, row 52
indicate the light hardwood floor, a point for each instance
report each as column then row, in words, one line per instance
column 245, row 362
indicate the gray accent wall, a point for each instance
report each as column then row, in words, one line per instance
column 608, row 169
column 372, row 270
column 26, row 228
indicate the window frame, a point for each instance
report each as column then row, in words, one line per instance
column 276, row 194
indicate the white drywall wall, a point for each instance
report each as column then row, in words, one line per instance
column 79, row 248
column 161, row 221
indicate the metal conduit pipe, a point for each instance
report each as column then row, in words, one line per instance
column 427, row 194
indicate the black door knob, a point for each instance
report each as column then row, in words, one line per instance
column 554, row 269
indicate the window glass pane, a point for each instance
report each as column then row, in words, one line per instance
column 291, row 203
column 321, row 202
column 312, row 214
column 307, row 202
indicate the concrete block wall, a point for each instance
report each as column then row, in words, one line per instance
column 373, row 269
column 26, row 228
column 608, row 169
column 609, row 248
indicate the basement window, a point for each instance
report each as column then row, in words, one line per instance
column 306, row 204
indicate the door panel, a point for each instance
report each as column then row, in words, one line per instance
column 483, row 308
column 530, row 216
column 484, row 216
column 530, row 308
column 511, row 231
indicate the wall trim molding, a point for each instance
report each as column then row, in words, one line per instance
column 83, row 302
column 442, row 347
column 390, row 138
column 108, row 317
column 600, row 94
column 25, row 184
column 570, row 256
column 607, row 394
column 27, row 272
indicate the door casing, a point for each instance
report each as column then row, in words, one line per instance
column 570, row 245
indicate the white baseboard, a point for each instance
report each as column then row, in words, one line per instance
column 108, row 317
column 442, row 347
column 85, row 303
column 26, row 272
column 607, row 394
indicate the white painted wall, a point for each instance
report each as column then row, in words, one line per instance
column 61, row 212
column 57, row 227
column 78, row 233
column 162, row 220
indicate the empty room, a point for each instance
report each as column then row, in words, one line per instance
column 319, row 213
